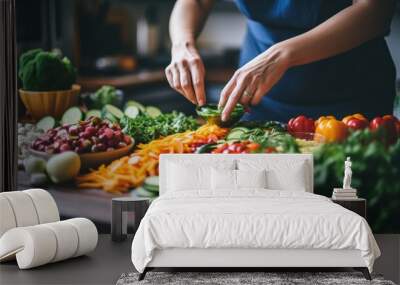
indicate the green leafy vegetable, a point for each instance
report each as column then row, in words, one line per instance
column 45, row 71
column 145, row 128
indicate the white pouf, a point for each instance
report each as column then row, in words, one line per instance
column 40, row 244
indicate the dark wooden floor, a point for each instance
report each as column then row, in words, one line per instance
column 103, row 266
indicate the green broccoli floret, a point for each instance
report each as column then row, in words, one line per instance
column 45, row 71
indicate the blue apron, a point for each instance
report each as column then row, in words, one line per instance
column 361, row 80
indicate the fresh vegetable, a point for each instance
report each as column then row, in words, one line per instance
column 63, row 167
column 376, row 175
column 131, row 171
column 106, row 95
column 72, row 116
column 135, row 104
column 46, row 123
column 268, row 134
column 112, row 113
column 151, row 184
column 153, row 111
column 357, row 116
column 323, row 118
column 212, row 114
column 93, row 113
column 131, row 112
column 34, row 165
column 356, row 122
column 300, row 126
column 387, row 125
column 142, row 192
column 45, row 71
column 331, row 129
column 241, row 147
column 92, row 135
column 145, row 128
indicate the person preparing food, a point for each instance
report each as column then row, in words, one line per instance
column 310, row 57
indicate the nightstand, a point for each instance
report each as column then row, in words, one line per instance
column 119, row 215
column 358, row 206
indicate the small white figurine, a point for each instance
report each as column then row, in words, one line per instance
column 347, row 174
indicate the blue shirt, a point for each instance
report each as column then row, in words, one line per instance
column 361, row 80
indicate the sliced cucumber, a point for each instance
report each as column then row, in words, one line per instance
column 132, row 112
column 46, row 123
column 151, row 184
column 93, row 113
column 144, row 193
column 136, row 104
column 72, row 116
column 234, row 135
column 116, row 112
column 153, row 111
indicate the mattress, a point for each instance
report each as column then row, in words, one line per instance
column 250, row 219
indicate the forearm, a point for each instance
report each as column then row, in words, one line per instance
column 187, row 20
column 353, row 26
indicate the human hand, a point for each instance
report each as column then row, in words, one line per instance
column 186, row 73
column 253, row 80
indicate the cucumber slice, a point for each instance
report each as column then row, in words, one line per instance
column 144, row 193
column 151, row 184
column 153, row 111
column 46, row 123
column 72, row 116
column 116, row 112
column 136, row 104
column 93, row 113
column 132, row 112
column 234, row 135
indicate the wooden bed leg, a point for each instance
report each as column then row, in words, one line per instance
column 364, row 271
column 143, row 274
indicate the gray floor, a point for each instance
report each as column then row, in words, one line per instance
column 103, row 266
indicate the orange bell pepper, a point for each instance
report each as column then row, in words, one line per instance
column 354, row 116
column 331, row 129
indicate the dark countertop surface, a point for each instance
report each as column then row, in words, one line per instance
column 102, row 266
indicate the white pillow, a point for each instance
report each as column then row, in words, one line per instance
column 251, row 178
column 223, row 179
column 226, row 179
column 281, row 175
column 189, row 176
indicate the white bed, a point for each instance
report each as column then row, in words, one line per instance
column 289, row 226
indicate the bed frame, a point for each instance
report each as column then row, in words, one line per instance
column 242, row 259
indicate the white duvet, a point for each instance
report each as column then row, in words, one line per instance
column 250, row 219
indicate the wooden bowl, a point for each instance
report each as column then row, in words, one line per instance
column 93, row 159
column 53, row 103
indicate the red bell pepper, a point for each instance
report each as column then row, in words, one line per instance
column 301, row 124
column 388, row 125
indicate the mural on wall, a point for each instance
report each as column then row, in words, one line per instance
column 102, row 140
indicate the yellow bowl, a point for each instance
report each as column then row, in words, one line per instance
column 53, row 103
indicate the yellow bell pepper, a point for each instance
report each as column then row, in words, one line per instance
column 322, row 118
column 331, row 129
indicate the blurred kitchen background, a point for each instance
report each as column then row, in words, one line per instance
column 125, row 43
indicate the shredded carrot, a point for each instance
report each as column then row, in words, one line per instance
column 130, row 171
